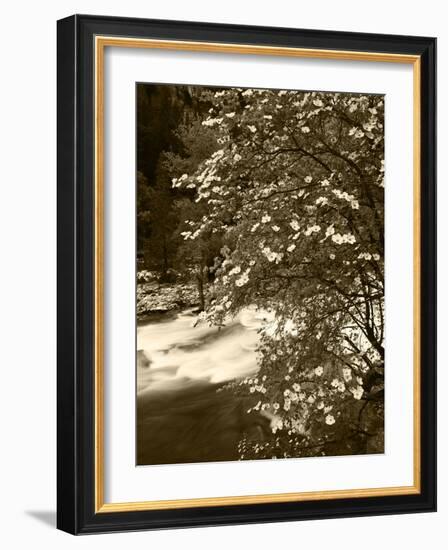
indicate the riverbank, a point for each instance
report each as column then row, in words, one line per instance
column 155, row 298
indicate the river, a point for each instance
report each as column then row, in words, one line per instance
column 184, row 414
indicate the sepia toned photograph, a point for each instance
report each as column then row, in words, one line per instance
column 260, row 274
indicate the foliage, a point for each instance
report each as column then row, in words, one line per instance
column 161, row 245
column 295, row 193
column 195, row 258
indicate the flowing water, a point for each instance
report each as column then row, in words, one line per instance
column 183, row 412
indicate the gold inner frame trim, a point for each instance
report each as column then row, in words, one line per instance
column 101, row 42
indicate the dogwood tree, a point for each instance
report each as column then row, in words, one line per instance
column 296, row 193
column 195, row 257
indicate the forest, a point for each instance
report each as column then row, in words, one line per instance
column 267, row 205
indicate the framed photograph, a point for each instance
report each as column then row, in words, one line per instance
column 246, row 274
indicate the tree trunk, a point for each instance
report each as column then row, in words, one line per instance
column 201, row 291
column 165, row 259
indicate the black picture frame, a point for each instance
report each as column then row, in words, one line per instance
column 76, row 512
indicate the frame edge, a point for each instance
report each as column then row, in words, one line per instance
column 67, row 462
